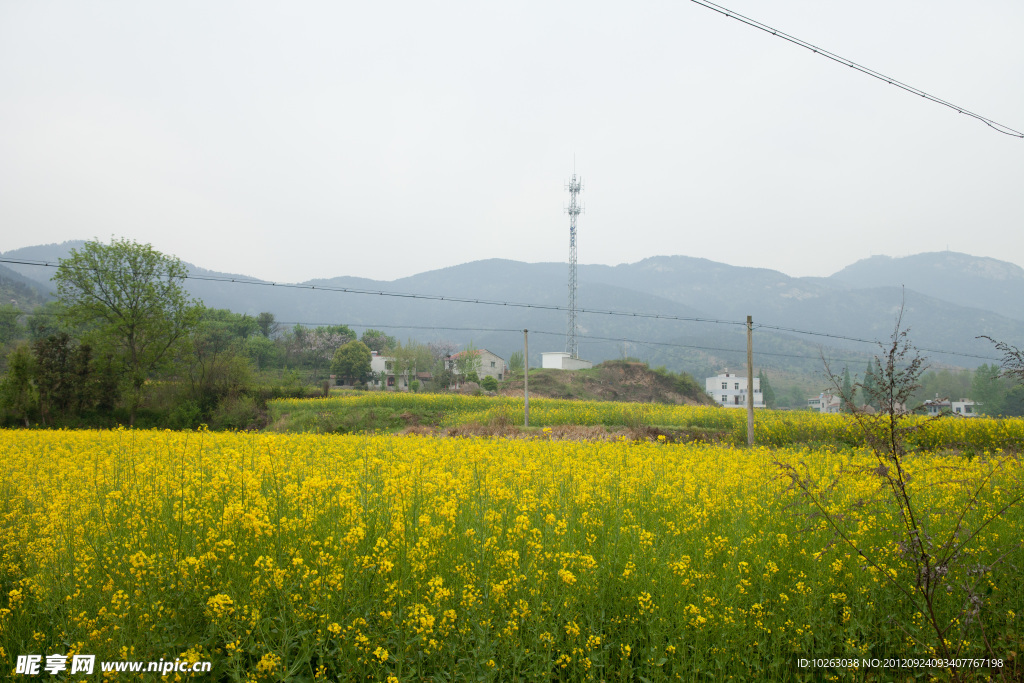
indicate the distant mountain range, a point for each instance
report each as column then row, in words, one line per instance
column 950, row 299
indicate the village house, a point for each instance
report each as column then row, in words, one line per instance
column 384, row 377
column 730, row 390
column 490, row 364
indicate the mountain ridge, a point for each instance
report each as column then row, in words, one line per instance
column 857, row 302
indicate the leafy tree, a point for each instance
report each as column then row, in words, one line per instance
column 213, row 368
column 64, row 377
column 130, row 299
column 17, row 394
column 989, row 389
column 352, row 362
column 868, row 387
column 315, row 348
column 262, row 351
column 410, row 358
column 10, row 327
column 767, row 392
column 468, row 362
column 45, row 320
column 267, row 324
column 378, row 341
column 515, row 362
column 489, row 383
column 236, row 325
column 1011, row 369
column 847, row 391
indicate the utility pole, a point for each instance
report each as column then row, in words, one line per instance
column 750, row 381
column 526, row 379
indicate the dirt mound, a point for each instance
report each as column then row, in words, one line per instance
column 613, row 381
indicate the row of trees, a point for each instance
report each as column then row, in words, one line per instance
column 124, row 339
column 991, row 386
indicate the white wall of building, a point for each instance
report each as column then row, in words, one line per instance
column 491, row 365
column 730, row 390
column 560, row 360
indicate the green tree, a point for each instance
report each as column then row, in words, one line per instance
column 847, row 391
column 213, row 367
column 45, row 320
column 17, row 394
column 410, row 358
column 515, row 362
column 868, row 387
column 10, row 325
column 489, row 383
column 467, row 363
column 378, row 341
column 129, row 298
column 352, row 362
column 767, row 392
column 263, row 351
column 989, row 389
column 267, row 324
column 64, row 377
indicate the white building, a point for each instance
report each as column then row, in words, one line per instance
column 383, row 369
column 490, row 364
column 730, row 390
column 825, row 403
column 560, row 360
column 965, row 407
column 936, row 406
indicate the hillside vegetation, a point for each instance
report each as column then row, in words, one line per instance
column 613, row 381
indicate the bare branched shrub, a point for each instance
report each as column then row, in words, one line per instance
column 1012, row 364
column 946, row 584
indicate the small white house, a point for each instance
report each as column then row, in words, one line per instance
column 965, row 407
column 561, row 360
column 490, row 364
column 825, row 403
column 730, row 390
column 937, row 406
column 383, row 368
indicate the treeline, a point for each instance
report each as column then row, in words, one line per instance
column 124, row 344
column 221, row 373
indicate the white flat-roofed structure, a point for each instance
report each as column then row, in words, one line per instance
column 730, row 390
column 562, row 360
column 965, row 407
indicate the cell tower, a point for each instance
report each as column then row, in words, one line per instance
column 574, row 187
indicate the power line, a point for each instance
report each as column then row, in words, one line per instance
column 510, row 304
column 998, row 127
column 409, row 295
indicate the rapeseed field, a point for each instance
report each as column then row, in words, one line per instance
column 407, row 558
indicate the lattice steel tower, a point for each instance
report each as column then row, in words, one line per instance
column 574, row 187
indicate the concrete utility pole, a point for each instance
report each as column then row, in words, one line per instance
column 526, row 379
column 750, row 381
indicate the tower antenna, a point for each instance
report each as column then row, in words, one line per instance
column 574, row 187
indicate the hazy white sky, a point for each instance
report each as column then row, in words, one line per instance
column 314, row 139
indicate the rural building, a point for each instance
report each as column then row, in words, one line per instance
column 730, row 390
column 936, row 406
column 383, row 369
column 490, row 365
column 825, row 402
column 965, row 407
column 561, row 360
